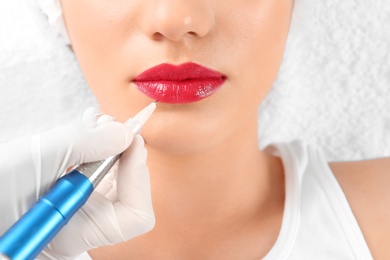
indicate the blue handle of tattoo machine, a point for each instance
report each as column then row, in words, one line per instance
column 38, row 226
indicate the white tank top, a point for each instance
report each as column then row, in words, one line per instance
column 318, row 222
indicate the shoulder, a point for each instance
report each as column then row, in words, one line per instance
column 366, row 185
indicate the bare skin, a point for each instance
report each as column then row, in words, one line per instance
column 215, row 195
column 365, row 184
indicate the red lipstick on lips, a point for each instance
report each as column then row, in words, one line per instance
column 181, row 84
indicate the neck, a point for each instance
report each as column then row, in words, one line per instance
column 233, row 181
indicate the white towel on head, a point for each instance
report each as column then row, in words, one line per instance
column 333, row 87
column 52, row 9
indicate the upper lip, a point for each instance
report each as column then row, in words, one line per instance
column 186, row 71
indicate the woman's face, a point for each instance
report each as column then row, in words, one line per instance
column 115, row 41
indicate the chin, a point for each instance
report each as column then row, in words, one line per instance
column 179, row 141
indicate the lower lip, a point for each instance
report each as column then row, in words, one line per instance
column 180, row 92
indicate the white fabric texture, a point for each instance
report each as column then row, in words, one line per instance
column 52, row 9
column 318, row 222
column 332, row 89
column 84, row 256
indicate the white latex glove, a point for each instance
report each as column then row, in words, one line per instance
column 29, row 166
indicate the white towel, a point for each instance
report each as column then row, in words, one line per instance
column 332, row 90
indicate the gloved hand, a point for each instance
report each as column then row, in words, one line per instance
column 119, row 209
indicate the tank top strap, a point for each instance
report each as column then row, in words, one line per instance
column 295, row 159
column 318, row 222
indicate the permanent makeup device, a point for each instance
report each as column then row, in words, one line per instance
column 38, row 226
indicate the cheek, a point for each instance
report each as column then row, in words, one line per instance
column 256, row 36
column 100, row 21
column 98, row 30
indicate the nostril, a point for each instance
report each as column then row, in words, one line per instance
column 157, row 36
column 175, row 20
column 173, row 35
column 193, row 33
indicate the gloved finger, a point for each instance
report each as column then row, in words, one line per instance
column 93, row 117
column 105, row 119
column 90, row 116
column 112, row 195
column 107, row 187
column 107, row 182
column 133, row 190
column 77, row 143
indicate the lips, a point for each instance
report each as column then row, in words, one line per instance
column 181, row 84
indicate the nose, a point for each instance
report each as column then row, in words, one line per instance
column 177, row 19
